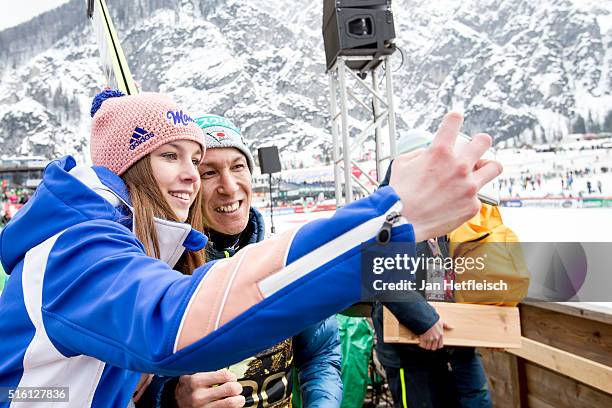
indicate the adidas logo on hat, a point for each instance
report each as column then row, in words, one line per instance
column 139, row 137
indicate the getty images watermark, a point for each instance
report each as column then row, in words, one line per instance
column 498, row 272
column 402, row 264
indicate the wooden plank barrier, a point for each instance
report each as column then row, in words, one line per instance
column 579, row 368
column 474, row 325
column 565, row 359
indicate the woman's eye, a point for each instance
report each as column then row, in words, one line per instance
column 170, row 156
column 196, row 162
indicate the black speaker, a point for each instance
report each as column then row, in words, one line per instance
column 357, row 28
column 269, row 161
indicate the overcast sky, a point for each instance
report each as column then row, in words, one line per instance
column 23, row 10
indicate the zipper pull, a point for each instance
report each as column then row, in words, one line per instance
column 384, row 233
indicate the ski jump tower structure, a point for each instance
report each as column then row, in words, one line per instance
column 358, row 38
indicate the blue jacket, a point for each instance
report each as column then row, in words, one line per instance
column 316, row 350
column 83, row 297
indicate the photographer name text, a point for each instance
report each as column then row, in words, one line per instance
column 472, row 284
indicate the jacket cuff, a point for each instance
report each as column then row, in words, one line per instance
column 416, row 314
column 160, row 393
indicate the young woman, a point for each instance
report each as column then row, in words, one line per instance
column 93, row 298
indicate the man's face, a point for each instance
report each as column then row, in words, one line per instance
column 226, row 188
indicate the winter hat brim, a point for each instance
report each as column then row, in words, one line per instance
column 221, row 132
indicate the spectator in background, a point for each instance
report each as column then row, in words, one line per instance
column 13, row 198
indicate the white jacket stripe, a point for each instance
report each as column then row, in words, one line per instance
column 43, row 364
column 326, row 253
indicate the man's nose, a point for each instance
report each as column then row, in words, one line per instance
column 228, row 183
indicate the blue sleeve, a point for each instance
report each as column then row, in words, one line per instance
column 414, row 313
column 105, row 298
column 318, row 360
column 288, row 304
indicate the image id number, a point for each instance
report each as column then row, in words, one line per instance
column 34, row 394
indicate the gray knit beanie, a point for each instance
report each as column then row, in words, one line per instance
column 220, row 132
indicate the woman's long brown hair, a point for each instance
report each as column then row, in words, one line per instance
column 148, row 202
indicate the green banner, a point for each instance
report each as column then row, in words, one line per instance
column 596, row 203
column 356, row 339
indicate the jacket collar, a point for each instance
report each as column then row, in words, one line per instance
column 173, row 237
column 254, row 232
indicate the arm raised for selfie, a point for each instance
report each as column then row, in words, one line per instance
column 114, row 303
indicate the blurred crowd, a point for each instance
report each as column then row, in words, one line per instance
column 575, row 183
column 11, row 197
column 530, row 174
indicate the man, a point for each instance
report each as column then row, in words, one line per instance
column 231, row 223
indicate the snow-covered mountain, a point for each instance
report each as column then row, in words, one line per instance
column 518, row 69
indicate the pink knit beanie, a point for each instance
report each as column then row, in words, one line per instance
column 126, row 128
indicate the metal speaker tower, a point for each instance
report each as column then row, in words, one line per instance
column 358, row 37
column 376, row 102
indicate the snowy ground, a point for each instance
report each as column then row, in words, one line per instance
column 530, row 224
column 560, row 224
